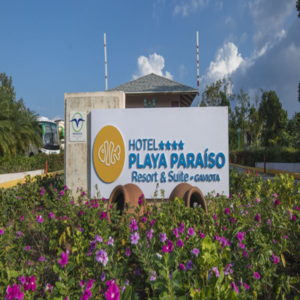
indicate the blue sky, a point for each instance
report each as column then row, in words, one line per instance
column 54, row 47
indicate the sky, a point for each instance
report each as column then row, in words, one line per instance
column 55, row 47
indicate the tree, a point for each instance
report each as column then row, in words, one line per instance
column 298, row 7
column 273, row 118
column 217, row 94
column 18, row 124
column 299, row 92
column 293, row 128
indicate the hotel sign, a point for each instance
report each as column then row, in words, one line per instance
column 160, row 147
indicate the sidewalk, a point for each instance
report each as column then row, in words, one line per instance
column 10, row 184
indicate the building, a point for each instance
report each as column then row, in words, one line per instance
column 140, row 92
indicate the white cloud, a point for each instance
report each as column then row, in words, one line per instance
column 230, row 22
column 154, row 64
column 219, row 5
column 182, row 71
column 243, row 38
column 158, row 6
column 269, row 16
column 186, row 7
column 227, row 60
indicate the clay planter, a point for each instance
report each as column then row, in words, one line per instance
column 189, row 194
column 126, row 194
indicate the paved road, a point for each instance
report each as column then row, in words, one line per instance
column 265, row 176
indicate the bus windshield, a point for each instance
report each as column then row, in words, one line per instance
column 50, row 136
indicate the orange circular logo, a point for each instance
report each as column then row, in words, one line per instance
column 109, row 153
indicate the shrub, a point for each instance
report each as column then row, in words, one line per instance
column 24, row 163
column 275, row 154
column 246, row 247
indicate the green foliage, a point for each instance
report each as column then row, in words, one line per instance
column 240, row 235
column 273, row 154
column 18, row 125
column 16, row 164
column 298, row 7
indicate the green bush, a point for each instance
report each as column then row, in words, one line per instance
column 274, row 154
column 246, row 247
column 24, row 163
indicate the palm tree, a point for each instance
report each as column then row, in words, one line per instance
column 18, row 126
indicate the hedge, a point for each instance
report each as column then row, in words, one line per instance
column 23, row 163
column 274, row 154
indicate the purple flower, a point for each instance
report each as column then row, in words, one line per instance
column 64, row 259
column 98, row 238
column 153, row 276
column 181, row 267
column 30, row 284
column 191, row 231
column 256, row 275
column 102, row 277
column 163, row 237
column 22, row 219
column 39, row 219
column 141, row 199
column 181, row 228
column 242, row 246
column 215, row 217
column 257, row 217
column 195, row 252
column 51, row 215
column 19, row 233
column 89, row 284
column 127, row 252
column 110, row 241
column 189, row 265
column 27, row 248
column 176, row 232
column 150, row 234
column 152, row 222
column 81, row 283
column 135, row 238
column 22, row 279
column 61, row 193
column 228, row 269
column 246, row 286
column 113, row 292
column 86, row 295
column 14, row 293
column 234, row 287
column 168, row 248
column 133, row 225
column 245, row 253
column 180, row 243
column 275, row 259
column 102, row 257
column 240, row 236
column 42, row 259
column 224, row 242
column 216, row 271
column 1, row 231
column 202, row 235
column 144, row 219
column 227, row 211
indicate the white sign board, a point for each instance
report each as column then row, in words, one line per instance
column 164, row 146
column 77, row 126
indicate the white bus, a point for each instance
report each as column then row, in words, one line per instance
column 50, row 136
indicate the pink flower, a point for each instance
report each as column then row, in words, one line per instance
column 163, row 237
column 256, row 275
column 215, row 217
column 1, row 231
column 89, row 284
column 81, row 283
column 27, row 248
column 102, row 257
column 168, row 248
column 202, row 235
column 257, row 200
column 181, row 267
column 249, row 267
column 22, row 279
column 175, row 232
column 191, row 231
column 257, row 217
column 181, row 228
column 64, row 259
column 30, row 284
column 61, row 193
column 294, row 218
column 180, row 243
column 234, row 287
column 42, row 259
column 103, row 216
column 246, row 286
column 113, row 292
column 127, row 252
column 245, row 253
column 135, row 238
column 240, row 236
column 14, row 293
column 22, row 218
column 51, row 215
column 39, row 219
column 285, row 236
column 227, row 211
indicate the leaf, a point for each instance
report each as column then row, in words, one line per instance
column 60, row 285
column 283, row 259
column 127, row 293
column 164, row 296
column 14, row 274
column 71, row 267
column 71, row 282
column 55, row 269
column 206, row 243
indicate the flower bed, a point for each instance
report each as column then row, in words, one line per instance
column 246, row 247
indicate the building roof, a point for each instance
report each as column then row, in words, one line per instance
column 153, row 83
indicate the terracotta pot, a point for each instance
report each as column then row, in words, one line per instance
column 189, row 194
column 126, row 194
